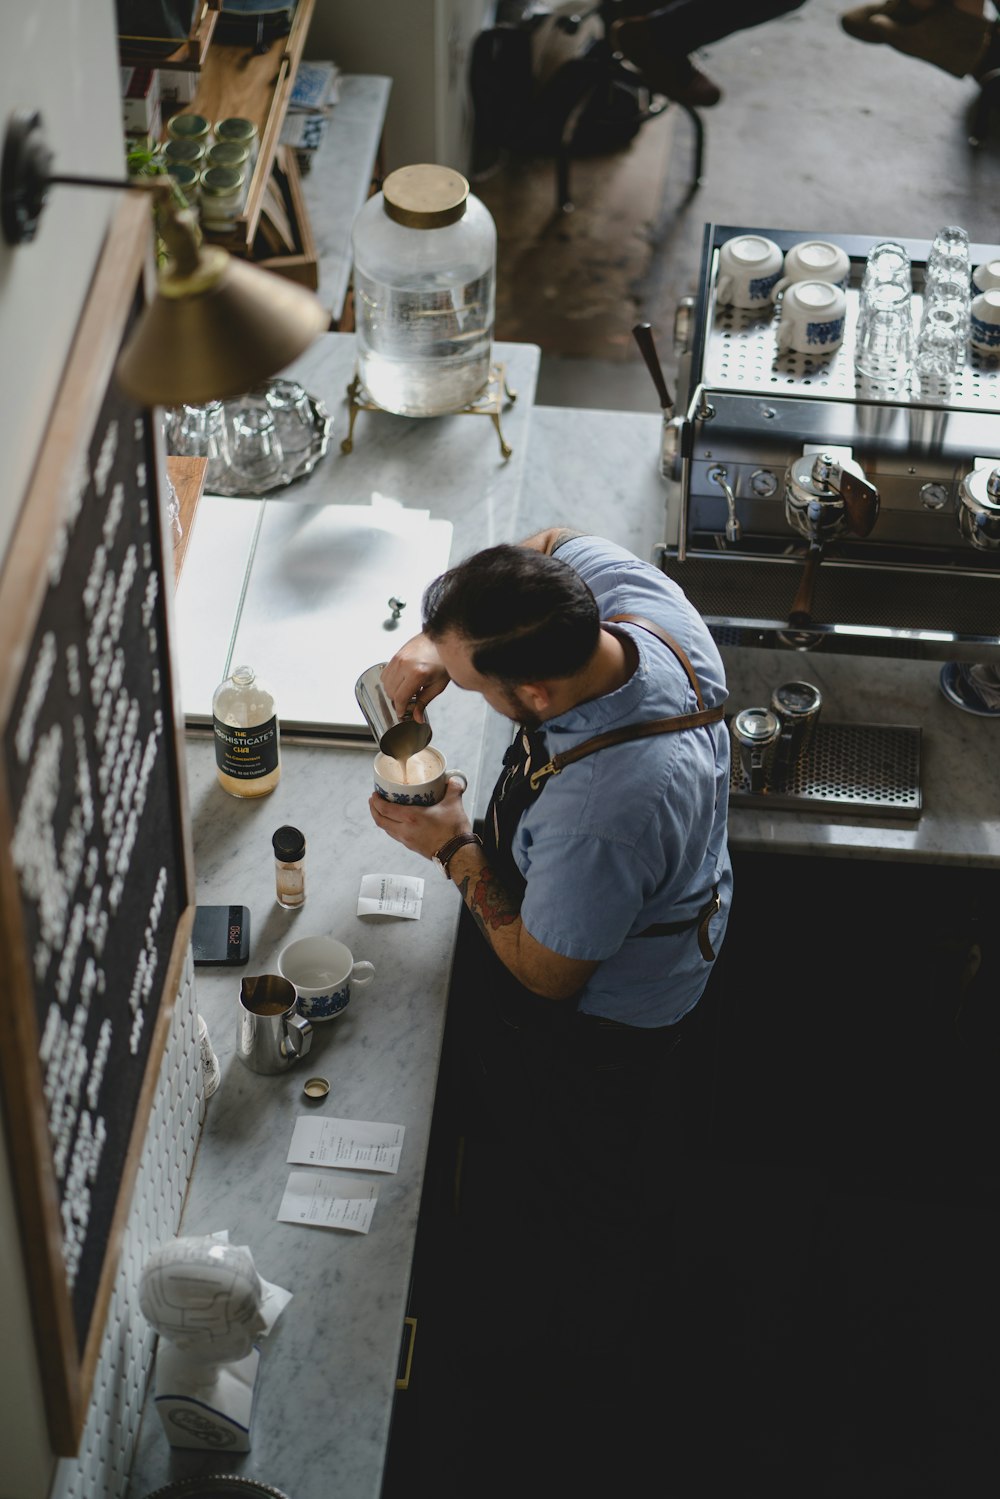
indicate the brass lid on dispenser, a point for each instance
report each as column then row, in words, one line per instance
column 425, row 196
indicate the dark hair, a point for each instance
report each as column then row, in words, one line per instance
column 527, row 616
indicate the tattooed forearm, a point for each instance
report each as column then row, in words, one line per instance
column 490, row 904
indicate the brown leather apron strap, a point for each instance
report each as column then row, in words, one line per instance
column 668, row 641
column 621, row 736
column 638, row 730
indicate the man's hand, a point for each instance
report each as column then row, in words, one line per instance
column 414, row 677
column 423, row 830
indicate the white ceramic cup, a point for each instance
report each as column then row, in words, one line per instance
column 986, row 277
column 323, row 972
column 422, row 782
column 812, row 318
column 815, row 260
column 749, row 267
column 984, row 322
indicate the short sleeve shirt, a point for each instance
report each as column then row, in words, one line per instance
column 633, row 835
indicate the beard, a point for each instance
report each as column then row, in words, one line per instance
column 518, row 710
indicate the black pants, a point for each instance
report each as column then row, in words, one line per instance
column 686, row 25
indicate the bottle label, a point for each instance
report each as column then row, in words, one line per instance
column 246, row 754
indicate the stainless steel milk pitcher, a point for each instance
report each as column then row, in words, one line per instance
column 270, row 1035
column 395, row 735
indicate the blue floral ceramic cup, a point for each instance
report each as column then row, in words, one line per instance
column 812, row 318
column 419, row 781
column 984, row 322
column 749, row 268
column 323, row 972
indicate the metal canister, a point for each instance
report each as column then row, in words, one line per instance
column 756, row 733
column 797, row 707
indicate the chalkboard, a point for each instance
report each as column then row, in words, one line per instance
column 96, row 889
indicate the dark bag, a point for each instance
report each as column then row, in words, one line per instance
column 549, row 81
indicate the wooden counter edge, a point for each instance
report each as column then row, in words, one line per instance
column 188, row 478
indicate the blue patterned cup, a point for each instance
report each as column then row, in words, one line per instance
column 749, row 268
column 984, row 322
column 812, row 318
column 323, row 972
column 420, row 781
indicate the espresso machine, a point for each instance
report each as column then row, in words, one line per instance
column 810, row 508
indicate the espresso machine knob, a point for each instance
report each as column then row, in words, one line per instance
column 979, row 506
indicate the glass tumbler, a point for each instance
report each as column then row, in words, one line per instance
column 883, row 349
column 949, row 248
column 257, row 451
column 290, row 406
column 940, row 342
column 201, row 432
column 887, row 264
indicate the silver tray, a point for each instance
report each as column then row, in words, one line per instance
column 859, row 769
column 297, row 465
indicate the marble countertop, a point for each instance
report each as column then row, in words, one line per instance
column 328, row 1368
column 340, row 178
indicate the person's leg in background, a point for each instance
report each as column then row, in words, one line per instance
column 659, row 41
column 951, row 34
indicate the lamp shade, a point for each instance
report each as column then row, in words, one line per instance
column 216, row 331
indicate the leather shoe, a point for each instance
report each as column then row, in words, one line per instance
column 676, row 76
column 950, row 39
column 862, row 25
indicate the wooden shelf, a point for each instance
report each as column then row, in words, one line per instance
column 255, row 86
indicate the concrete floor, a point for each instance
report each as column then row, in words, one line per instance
column 816, row 131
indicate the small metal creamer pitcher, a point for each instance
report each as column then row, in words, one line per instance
column 397, row 736
column 270, row 1035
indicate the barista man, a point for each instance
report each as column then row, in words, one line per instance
column 596, row 897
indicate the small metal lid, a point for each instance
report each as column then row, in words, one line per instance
column 288, row 844
column 236, row 128
column 188, row 127
column 756, row 725
column 316, row 1087
column 219, row 182
column 425, row 196
column 189, row 152
column 228, row 154
column 796, row 699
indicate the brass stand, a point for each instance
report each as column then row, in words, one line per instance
column 490, row 404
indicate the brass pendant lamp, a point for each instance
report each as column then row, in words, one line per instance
column 217, row 325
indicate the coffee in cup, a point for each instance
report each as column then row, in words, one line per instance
column 419, row 781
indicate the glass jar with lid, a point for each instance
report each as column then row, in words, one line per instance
column 187, row 179
column 244, row 132
column 228, row 154
column 184, row 153
column 247, row 740
column 189, row 127
column 222, row 193
column 424, row 289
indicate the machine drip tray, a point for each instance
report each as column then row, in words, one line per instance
column 860, row 769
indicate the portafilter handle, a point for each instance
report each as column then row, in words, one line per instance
column 827, row 495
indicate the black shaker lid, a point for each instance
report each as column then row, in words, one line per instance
column 288, row 844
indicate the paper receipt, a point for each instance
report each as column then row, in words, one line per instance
column 354, row 1144
column 328, row 1201
column 391, row 895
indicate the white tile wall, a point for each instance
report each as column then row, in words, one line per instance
column 101, row 1470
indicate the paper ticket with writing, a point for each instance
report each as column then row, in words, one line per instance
column 328, row 1201
column 355, row 1144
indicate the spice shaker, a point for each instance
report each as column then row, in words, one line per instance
column 289, row 867
column 247, row 740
